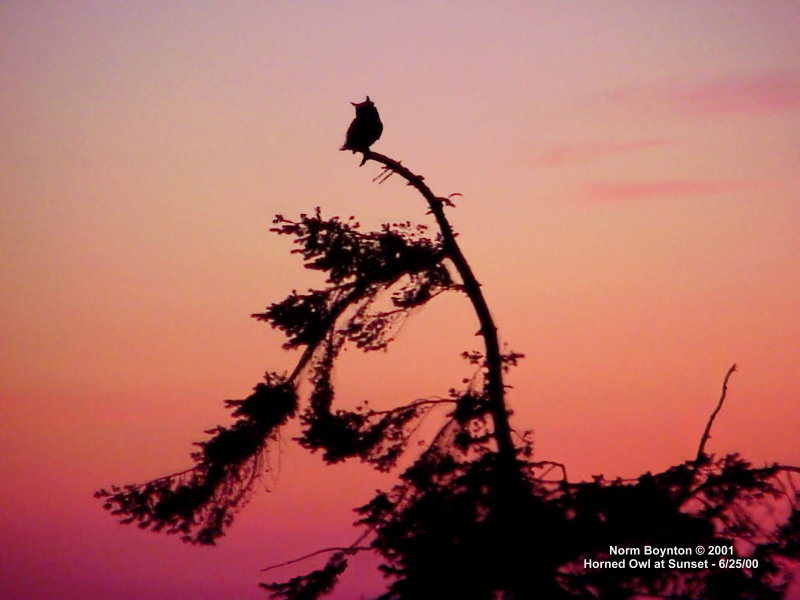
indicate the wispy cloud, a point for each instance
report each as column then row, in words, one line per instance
column 759, row 93
column 562, row 154
column 763, row 93
column 617, row 192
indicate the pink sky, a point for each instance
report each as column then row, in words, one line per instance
column 630, row 188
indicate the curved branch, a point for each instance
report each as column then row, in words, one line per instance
column 552, row 465
column 687, row 491
column 707, row 432
column 488, row 330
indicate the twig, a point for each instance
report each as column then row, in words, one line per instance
column 687, row 491
column 346, row 550
column 707, row 432
column 552, row 465
column 414, row 404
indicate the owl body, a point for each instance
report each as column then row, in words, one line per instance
column 365, row 129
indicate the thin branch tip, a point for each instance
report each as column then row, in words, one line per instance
column 343, row 549
column 707, row 432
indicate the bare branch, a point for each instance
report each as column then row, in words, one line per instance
column 552, row 465
column 707, row 432
column 414, row 404
column 345, row 549
column 488, row 330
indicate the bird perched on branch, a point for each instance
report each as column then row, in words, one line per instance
column 365, row 129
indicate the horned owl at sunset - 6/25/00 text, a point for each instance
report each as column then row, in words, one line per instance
column 365, row 129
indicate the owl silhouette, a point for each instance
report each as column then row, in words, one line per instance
column 365, row 129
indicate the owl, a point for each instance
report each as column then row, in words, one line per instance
column 365, row 129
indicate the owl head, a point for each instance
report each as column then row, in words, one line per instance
column 366, row 102
column 367, row 107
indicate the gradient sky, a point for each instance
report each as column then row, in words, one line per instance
column 631, row 203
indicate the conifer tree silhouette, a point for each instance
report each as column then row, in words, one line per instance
column 474, row 516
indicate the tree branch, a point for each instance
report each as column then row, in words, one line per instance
column 494, row 363
column 414, row 404
column 345, row 549
column 707, row 432
column 687, row 491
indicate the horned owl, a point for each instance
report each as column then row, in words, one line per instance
column 365, row 129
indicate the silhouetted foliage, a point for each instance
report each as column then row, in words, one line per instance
column 473, row 517
column 359, row 267
column 200, row 502
column 313, row 585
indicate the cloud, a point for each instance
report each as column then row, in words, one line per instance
column 561, row 154
column 617, row 192
column 776, row 91
column 764, row 93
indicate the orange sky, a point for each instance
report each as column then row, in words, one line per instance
column 630, row 203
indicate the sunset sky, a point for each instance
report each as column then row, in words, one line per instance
column 631, row 205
